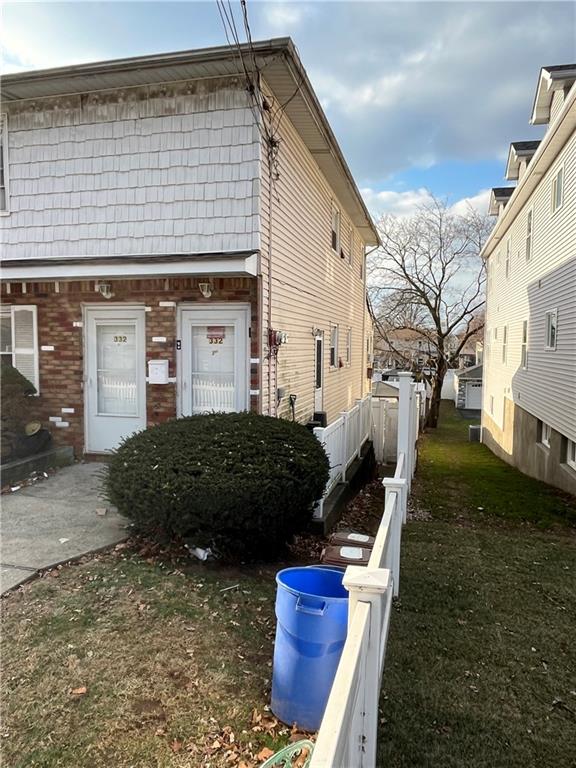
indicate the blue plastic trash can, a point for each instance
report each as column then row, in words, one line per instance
column 312, row 618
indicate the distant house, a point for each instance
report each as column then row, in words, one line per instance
column 467, row 383
column 529, row 399
column 181, row 234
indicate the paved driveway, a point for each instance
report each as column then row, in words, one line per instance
column 51, row 522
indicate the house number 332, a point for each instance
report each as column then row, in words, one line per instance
column 121, row 339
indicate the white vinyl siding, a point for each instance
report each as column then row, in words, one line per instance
column 19, row 341
column 545, row 283
column 311, row 288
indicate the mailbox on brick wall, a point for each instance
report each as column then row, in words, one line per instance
column 158, row 371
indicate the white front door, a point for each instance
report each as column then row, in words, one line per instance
column 214, row 359
column 115, row 376
column 318, row 371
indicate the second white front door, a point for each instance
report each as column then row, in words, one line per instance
column 115, row 376
column 214, row 359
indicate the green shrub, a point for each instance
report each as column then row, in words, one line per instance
column 239, row 482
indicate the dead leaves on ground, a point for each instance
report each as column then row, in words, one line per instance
column 224, row 747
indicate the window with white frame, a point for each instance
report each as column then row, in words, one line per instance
column 348, row 346
column 507, row 265
column 351, row 246
column 557, row 190
column 524, row 352
column 492, row 405
column 545, row 434
column 504, row 343
column 3, row 163
column 529, row 232
column 334, row 346
column 335, row 229
column 571, row 453
column 19, row 340
column 551, row 329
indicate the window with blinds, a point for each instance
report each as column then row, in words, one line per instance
column 19, row 340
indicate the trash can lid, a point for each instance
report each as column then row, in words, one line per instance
column 312, row 581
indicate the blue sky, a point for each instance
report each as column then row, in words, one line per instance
column 421, row 95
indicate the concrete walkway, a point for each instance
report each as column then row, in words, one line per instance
column 54, row 521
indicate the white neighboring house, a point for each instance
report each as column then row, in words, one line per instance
column 529, row 400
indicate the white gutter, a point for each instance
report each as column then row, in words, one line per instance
column 554, row 140
column 129, row 268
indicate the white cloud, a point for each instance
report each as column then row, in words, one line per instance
column 282, row 16
column 397, row 203
column 478, row 202
column 405, row 204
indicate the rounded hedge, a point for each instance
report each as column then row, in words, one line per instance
column 239, row 483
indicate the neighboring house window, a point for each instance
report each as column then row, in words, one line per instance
column 571, row 453
column 350, row 252
column 348, row 346
column 334, row 346
column 551, row 329
column 336, row 230
column 504, row 343
column 19, row 339
column 508, row 246
column 492, row 404
column 557, row 190
column 3, row 163
column 524, row 354
column 546, row 431
column 529, row 235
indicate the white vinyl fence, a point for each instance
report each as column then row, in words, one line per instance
column 348, row 734
column 343, row 441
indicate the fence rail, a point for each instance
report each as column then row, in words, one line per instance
column 343, row 441
column 348, row 735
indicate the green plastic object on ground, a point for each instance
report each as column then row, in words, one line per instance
column 285, row 757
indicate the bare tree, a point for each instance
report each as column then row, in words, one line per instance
column 428, row 278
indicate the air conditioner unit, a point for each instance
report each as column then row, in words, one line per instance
column 474, row 433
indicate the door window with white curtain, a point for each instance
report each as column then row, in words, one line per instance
column 19, row 339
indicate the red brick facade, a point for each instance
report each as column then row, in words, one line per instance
column 60, row 319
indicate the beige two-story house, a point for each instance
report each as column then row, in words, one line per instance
column 180, row 234
column 529, row 398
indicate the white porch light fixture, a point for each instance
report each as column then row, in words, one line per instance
column 205, row 289
column 105, row 290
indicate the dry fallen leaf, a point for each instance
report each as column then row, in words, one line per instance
column 81, row 691
column 264, row 753
column 176, row 746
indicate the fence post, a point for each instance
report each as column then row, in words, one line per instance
column 370, row 586
column 344, row 445
column 398, row 486
column 405, row 421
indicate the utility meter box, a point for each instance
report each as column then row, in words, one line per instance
column 158, row 371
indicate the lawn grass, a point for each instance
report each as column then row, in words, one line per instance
column 480, row 669
column 458, row 478
column 172, row 663
column 481, row 662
